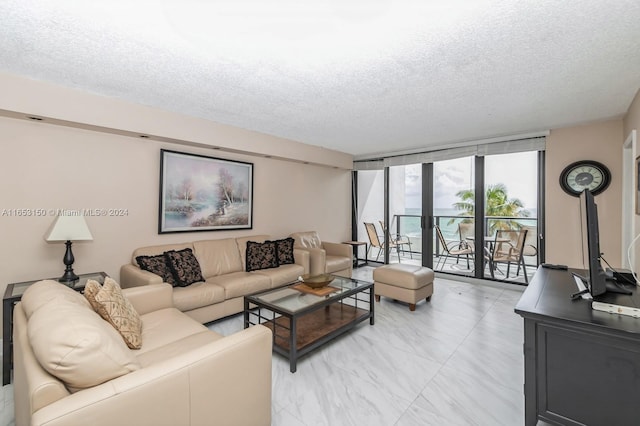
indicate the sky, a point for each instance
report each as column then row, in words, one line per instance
column 519, row 172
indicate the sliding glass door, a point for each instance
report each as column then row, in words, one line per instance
column 369, row 211
column 404, row 231
column 477, row 215
column 511, row 213
column 453, row 219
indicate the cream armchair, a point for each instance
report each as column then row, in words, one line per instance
column 184, row 374
column 325, row 257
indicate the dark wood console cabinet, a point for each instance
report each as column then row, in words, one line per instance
column 581, row 367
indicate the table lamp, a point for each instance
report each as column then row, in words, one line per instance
column 68, row 228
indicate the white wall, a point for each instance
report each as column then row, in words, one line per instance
column 46, row 166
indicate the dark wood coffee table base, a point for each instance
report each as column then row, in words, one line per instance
column 303, row 329
column 314, row 326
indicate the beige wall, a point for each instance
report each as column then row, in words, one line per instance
column 47, row 166
column 632, row 122
column 602, row 142
column 22, row 96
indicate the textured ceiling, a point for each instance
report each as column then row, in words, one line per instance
column 356, row 76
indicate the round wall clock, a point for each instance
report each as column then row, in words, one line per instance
column 585, row 174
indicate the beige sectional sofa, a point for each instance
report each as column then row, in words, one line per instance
column 226, row 282
column 73, row 368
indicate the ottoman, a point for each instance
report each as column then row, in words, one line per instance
column 407, row 283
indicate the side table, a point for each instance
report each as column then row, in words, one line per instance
column 355, row 245
column 12, row 295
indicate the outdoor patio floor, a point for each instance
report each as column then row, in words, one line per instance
column 455, row 266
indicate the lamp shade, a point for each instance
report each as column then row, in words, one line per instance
column 69, row 228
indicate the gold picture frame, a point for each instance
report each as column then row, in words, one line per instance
column 201, row 193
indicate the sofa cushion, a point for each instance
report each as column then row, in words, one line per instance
column 308, row 239
column 197, row 295
column 261, row 255
column 108, row 301
column 164, row 326
column 75, row 345
column 178, row 346
column 217, row 257
column 45, row 291
column 184, row 266
column 158, row 265
column 284, row 248
column 241, row 283
column 285, row 274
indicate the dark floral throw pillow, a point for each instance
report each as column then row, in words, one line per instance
column 285, row 251
column 157, row 265
column 261, row 255
column 185, row 266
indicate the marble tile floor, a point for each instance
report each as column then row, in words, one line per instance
column 7, row 417
column 456, row 360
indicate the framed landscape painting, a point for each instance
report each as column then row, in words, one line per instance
column 200, row 193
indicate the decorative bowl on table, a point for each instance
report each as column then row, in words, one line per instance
column 317, row 281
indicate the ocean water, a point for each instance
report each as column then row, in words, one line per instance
column 411, row 225
column 446, row 219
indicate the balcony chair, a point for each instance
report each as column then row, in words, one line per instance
column 400, row 240
column 466, row 231
column 374, row 241
column 510, row 251
column 530, row 244
column 453, row 248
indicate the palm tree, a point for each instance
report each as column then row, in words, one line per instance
column 496, row 203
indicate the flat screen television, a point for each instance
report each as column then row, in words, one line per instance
column 597, row 280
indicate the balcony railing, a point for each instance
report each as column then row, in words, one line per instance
column 408, row 225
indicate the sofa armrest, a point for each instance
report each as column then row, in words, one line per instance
column 229, row 379
column 337, row 249
column 150, row 298
column 301, row 257
column 132, row 276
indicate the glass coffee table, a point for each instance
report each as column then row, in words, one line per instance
column 303, row 319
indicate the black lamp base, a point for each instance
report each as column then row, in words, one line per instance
column 69, row 281
column 69, row 278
